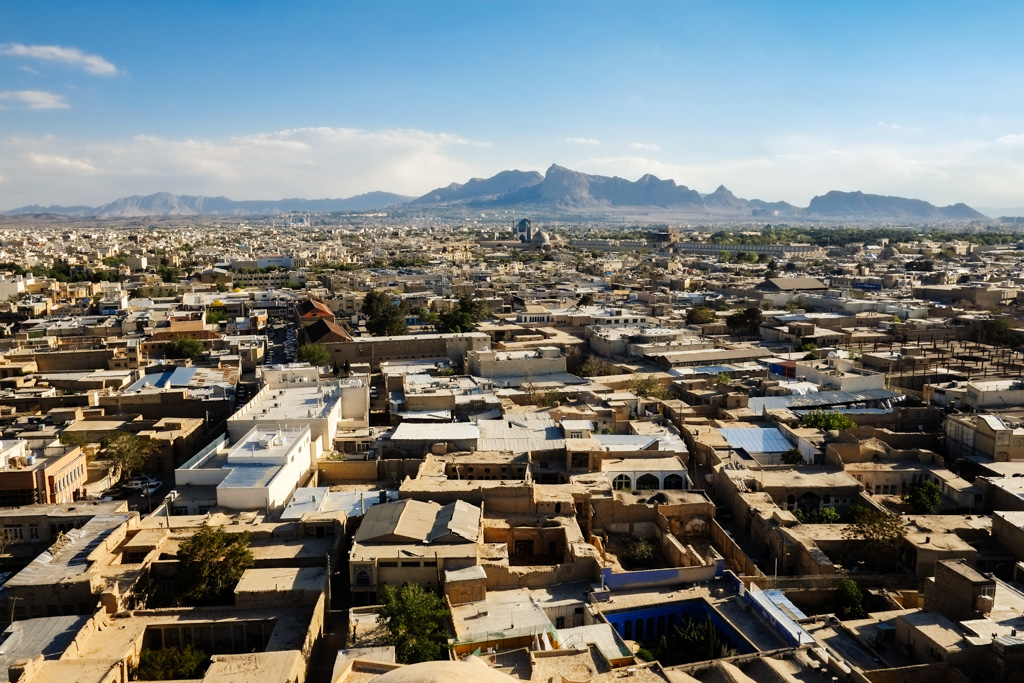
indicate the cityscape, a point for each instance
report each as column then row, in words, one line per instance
column 326, row 390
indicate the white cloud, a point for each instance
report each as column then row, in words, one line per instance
column 643, row 146
column 72, row 56
column 34, row 99
column 794, row 169
column 302, row 162
column 586, row 142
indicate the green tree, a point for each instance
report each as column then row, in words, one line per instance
column 221, row 287
column 793, row 457
column 210, row 563
column 183, row 347
column 824, row 515
column 699, row 315
column 171, row 663
column 995, row 331
column 455, row 320
column 413, row 622
column 749, row 319
column 827, row 420
column 640, row 554
column 214, row 317
column 383, row 316
column 586, row 300
column 314, row 354
column 881, row 532
column 647, row 387
column 849, row 600
column 923, row 497
column 128, row 452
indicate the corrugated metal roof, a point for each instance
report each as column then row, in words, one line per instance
column 819, row 400
column 414, row 521
column 181, row 377
column 520, row 434
column 759, row 440
column 452, row 431
column 460, row 519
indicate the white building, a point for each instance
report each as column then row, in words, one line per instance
column 259, row 472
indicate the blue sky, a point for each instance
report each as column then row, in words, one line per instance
column 775, row 100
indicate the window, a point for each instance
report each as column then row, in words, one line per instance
column 13, row 532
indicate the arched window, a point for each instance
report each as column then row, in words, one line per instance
column 622, row 482
column 363, row 578
column 673, row 481
column 647, row 482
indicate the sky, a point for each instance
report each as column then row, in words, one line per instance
column 265, row 100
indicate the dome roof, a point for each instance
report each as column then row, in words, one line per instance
column 541, row 237
column 470, row 671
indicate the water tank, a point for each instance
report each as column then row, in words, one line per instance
column 30, row 460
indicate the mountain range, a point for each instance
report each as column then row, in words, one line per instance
column 558, row 190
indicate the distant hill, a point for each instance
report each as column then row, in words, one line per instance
column 167, row 204
column 565, row 189
column 480, row 189
column 558, row 190
column 858, row 204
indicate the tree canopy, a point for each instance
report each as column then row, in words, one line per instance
column 827, row 420
column 749, row 318
column 413, row 622
column 923, row 497
column 699, row 315
column 183, row 347
column 849, row 600
column 383, row 316
column 128, row 452
column 314, row 354
column 647, row 386
column 171, row 663
column 210, row 563
column 882, row 532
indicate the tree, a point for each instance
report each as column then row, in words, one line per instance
column 996, row 331
column 128, row 452
column 923, row 497
column 825, row 515
column 214, row 316
column 849, row 600
column 640, row 554
column 383, row 316
column 793, row 457
column 647, row 387
column 314, row 354
column 413, row 622
column 827, row 421
column 183, row 347
column 699, row 315
column 455, row 320
column 171, row 663
column 749, row 319
column 210, row 563
column 585, row 300
column 881, row 532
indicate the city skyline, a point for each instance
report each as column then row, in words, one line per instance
column 777, row 101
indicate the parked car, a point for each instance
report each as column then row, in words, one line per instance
column 139, row 483
column 153, row 487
